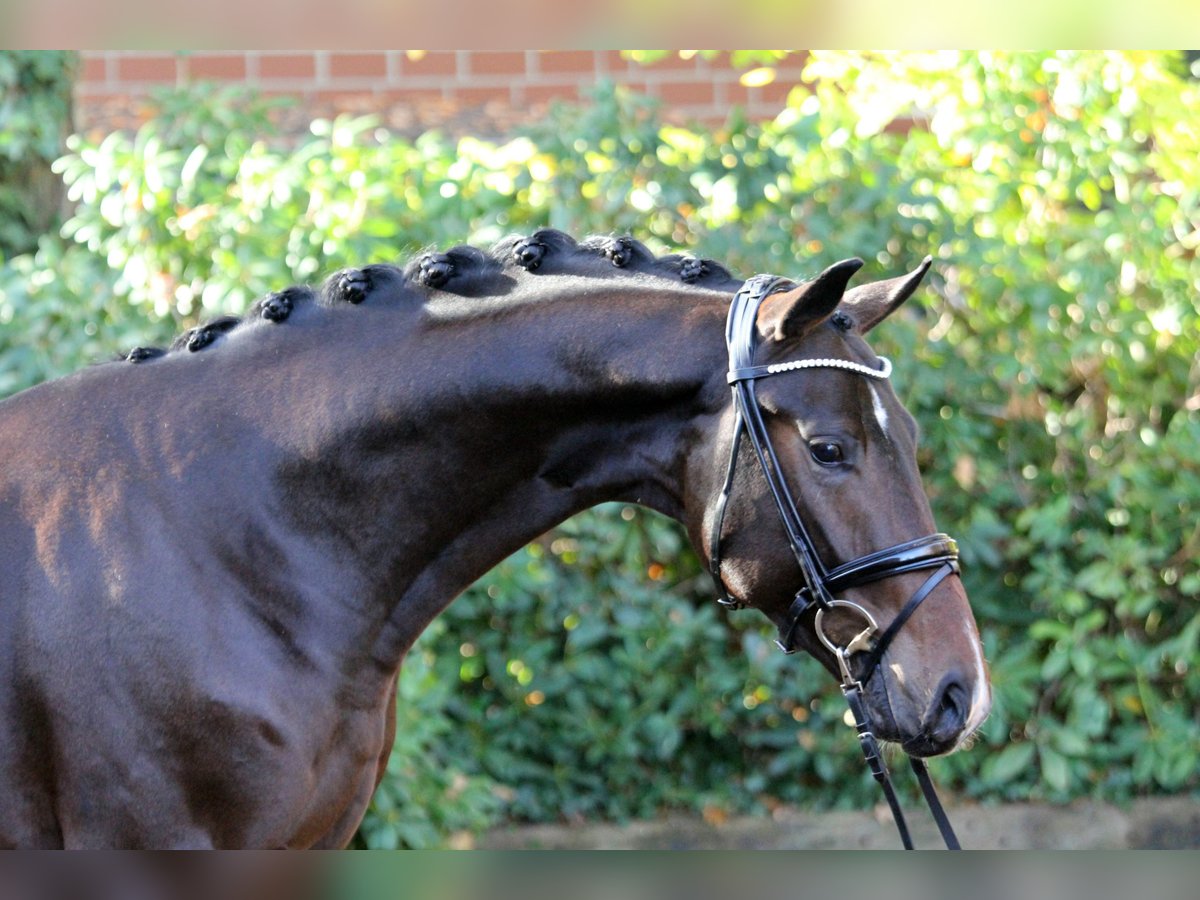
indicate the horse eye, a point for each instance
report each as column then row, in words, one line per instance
column 826, row 453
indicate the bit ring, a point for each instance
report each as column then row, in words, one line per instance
column 857, row 643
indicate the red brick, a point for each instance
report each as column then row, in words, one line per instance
column 559, row 62
column 292, row 65
column 302, row 97
column 718, row 63
column 544, row 93
column 686, row 93
column 613, row 62
column 429, row 64
column 734, row 93
column 344, row 98
column 219, row 67
column 635, row 84
column 900, row 125
column 146, row 68
column 94, row 71
column 672, row 62
column 792, row 65
column 479, row 95
column 358, row 65
column 776, row 92
column 402, row 96
column 689, row 115
column 497, row 63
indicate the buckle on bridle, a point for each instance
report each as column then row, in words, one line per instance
column 859, row 643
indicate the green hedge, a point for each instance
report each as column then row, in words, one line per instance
column 1053, row 370
column 35, row 118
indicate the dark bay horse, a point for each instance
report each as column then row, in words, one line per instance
column 215, row 557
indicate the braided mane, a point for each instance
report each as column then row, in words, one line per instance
column 467, row 271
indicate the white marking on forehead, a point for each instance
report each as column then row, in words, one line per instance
column 898, row 672
column 880, row 412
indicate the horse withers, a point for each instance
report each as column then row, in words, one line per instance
column 215, row 557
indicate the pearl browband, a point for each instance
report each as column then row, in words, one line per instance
column 744, row 374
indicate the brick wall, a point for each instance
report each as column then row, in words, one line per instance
column 473, row 90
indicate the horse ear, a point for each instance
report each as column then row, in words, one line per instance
column 870, row 304
column 792, row 313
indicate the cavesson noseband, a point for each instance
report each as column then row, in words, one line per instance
column 821, row 585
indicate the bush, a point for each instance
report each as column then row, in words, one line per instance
column 35, row 118
column 1053, row 372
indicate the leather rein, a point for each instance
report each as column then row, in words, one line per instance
column 936, row 552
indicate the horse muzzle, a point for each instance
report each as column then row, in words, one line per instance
column 934, row 723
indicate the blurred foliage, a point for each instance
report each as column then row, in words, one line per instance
column 35, row 118
column 759, row 65
column 1052, row 365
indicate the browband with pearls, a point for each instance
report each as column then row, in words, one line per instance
column 884, row 370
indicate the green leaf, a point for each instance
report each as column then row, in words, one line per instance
column 1054, row 769
column 1070, row 743
column 1006, row 765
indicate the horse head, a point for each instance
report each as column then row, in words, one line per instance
column 830, row 533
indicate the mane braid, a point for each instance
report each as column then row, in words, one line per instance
column 466, row 271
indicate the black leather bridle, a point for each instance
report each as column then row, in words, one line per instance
column 821, row 587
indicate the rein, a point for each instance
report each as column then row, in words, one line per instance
column 938, row 552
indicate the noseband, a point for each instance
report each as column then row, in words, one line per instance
column 821, row 586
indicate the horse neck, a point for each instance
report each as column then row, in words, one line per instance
column 590, row 397
column 487, row 422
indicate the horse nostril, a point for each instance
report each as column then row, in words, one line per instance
column 948, row 712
